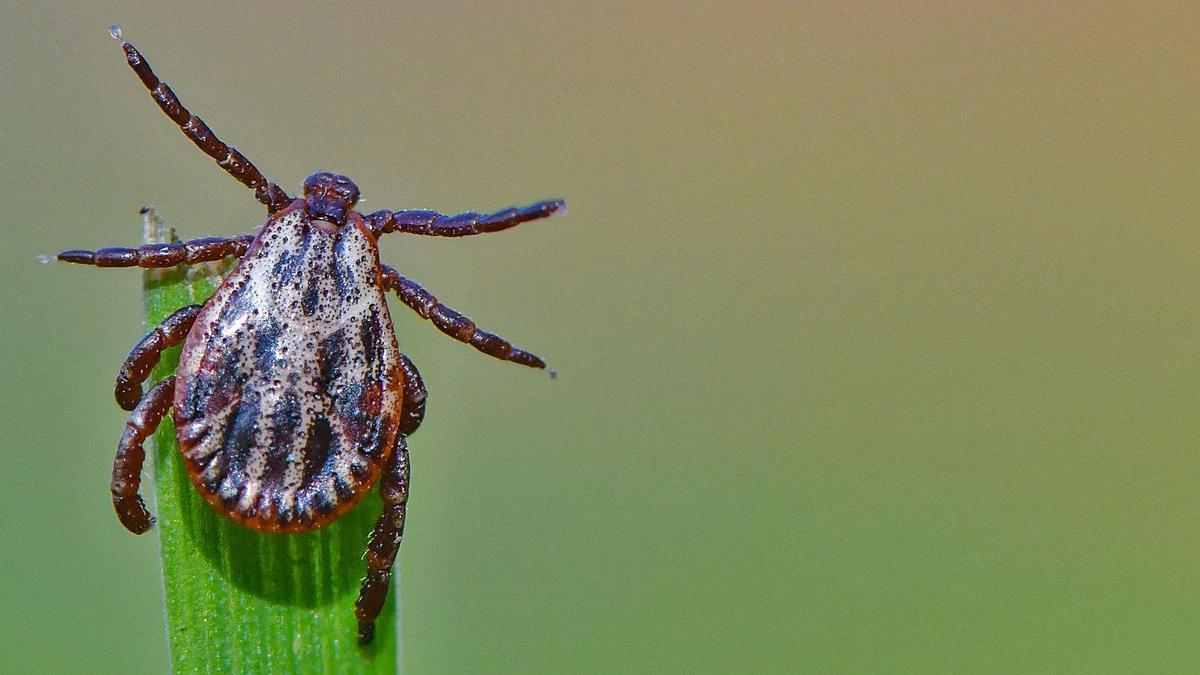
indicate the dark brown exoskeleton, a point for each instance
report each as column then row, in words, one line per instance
column 291, row 397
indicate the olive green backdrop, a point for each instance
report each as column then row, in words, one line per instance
column 877, row 328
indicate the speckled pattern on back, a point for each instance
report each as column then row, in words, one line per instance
column 289, row 387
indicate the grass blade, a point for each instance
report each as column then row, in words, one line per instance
column 244, row 601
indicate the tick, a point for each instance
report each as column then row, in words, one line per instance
column 291, row 398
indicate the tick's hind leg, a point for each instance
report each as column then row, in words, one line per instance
column 454, row 324
column 385, row 542
column 163, row 255
column 385, row 539
column 413, row 410
column 127, row 467
column 146, row 353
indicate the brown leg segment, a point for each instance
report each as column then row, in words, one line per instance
column 163, row 255
column 146, row 353
column 228, row 158
column 385, row 539
column 454, row 324
column 414, row 398
column 385, row 542
column 127, row 467
column 438, row 225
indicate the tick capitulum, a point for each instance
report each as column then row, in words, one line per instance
column 291, row 398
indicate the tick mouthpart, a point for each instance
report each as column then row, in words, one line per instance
column 330, row 196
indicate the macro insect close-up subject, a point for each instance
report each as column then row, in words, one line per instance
column 291, row 398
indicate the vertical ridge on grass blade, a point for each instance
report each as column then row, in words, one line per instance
column 243, row 601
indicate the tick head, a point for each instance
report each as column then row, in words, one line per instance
column 330, row 196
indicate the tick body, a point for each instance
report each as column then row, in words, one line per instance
column 291, row 398
column 289, row 388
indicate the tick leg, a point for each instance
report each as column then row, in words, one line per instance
column 127, row 467
column 163, row 255
column 413, row 410
column 438, row 225
column 385, row 542
column 227, row 157
column 454, row 324
column 146, row 353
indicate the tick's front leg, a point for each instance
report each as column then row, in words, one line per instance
column 163, row 255
column 127, row 467
column 432, row 223
column 385, row 542
column 228, row 158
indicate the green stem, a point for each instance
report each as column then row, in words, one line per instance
column 244, row 601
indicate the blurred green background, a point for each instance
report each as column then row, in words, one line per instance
column 877, row 327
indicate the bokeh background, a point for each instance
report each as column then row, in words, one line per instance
column 877, row 326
